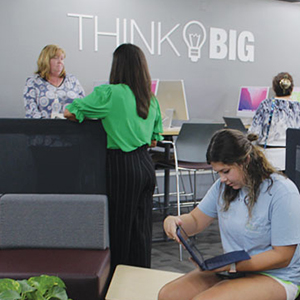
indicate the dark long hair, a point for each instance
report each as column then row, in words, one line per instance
column 232, row 147
column 129, row 66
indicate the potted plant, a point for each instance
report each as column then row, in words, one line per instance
column 42, row 287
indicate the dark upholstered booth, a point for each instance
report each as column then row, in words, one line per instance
column 60, row 235
column 53, row 208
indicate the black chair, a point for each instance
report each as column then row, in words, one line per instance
column 189, row 151
column 292, row 155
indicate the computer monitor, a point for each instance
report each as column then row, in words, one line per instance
column 172, row 101
column 235, row 123
column 154, row 86
column 296, row 94
column 249, row 100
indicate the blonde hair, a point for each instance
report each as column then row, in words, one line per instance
column 43, row 62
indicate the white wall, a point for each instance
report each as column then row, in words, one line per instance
column 212, row 85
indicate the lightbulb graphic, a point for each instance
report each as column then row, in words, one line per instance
column 194, row 39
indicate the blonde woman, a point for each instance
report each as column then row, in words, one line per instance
column 47, row 93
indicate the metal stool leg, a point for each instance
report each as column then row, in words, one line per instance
column 177, row 195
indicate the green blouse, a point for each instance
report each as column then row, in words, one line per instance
column 115, row 104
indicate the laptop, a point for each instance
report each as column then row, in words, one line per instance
column 235, row 123
column 214, row 262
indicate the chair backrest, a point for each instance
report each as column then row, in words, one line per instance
column 292, row 155
column 193, row 140
column 235, row 123
column 54, row 221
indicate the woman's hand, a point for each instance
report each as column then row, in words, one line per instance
column 170, row 226
column 70, row 116
column 221, row 269
column 192, row 223
column 153, row 143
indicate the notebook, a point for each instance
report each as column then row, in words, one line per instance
column 214, row 262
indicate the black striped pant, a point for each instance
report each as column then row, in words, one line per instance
column 130, row 187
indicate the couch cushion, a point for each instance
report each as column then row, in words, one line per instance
column 54, row 221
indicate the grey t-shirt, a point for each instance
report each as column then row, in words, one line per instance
column 275, row 221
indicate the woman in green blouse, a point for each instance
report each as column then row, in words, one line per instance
column 131, row 118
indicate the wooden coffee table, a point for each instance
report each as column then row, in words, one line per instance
column 134, row 283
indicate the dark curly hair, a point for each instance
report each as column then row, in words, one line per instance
column 232, row 147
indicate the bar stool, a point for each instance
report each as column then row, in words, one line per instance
column 190, row 155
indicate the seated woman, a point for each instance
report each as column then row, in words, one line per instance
column 274, row 116
column 51, row 89
column 257, row 209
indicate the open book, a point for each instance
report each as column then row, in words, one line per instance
column 214, row 262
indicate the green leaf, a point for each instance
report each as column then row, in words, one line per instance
column 42, row 287
column 57, row 292
column 25, row 287
column 35, row 295
column 10, row 295
column 45, row 282
column 7, row 284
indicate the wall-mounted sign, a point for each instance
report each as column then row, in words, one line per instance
column 223, row 44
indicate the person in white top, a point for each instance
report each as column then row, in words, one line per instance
column 286, row 113
column 274, row 116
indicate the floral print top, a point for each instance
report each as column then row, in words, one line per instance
column 41, row 97
column 286, row 114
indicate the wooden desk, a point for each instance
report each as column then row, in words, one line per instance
column 133, row 283
column 173, row 131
